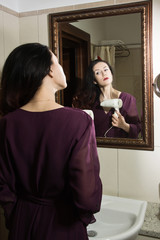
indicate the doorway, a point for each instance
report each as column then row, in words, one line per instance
column 74, row 58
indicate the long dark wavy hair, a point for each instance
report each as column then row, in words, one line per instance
column 22, row 75
column 90, row 92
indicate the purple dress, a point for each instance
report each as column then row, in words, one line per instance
column 49, row 174
column 129, row 111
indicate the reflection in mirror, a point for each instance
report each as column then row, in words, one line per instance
column 156, row 85
column 115, row 112
column 117, row 39
column 122, row 51
column 120, row 35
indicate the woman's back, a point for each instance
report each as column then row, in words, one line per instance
column 49, row 156
column 49, row 169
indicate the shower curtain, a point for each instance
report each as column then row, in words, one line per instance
column 106, row 53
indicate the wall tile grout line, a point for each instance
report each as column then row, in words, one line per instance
column 117, row 172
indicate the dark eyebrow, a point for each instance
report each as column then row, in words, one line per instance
column 103, row 67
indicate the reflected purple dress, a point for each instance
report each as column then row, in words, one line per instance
column 129, row 111
column 49, row 174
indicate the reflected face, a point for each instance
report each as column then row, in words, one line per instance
column 102, row 73
column 59, row 78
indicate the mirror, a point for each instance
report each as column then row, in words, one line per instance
column 156, row 85
column 74, row 37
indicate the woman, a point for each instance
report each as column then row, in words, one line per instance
column 97, row 88
column 49, row 168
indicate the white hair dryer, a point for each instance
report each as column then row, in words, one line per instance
column 112, row 103
column 90, row 113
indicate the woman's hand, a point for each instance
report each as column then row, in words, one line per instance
column 119, row 121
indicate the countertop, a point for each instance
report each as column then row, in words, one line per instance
column 151, row 225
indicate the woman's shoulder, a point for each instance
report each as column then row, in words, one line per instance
column 71, row 118
column 4, row 118
column 61, row 110
column 78, row 120
column 77, row 113
column 126, row 96
column 8, row 119
column 128, row 100
column 3, row 123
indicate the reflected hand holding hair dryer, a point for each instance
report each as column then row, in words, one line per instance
column 112, row 103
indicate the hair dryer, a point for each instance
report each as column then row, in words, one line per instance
column 90, row 113
column 112, row 103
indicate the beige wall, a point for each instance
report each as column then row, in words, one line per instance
column 126, row 173
column 9, row 33
column 128, row 75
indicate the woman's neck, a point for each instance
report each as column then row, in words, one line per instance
column 43, row 100
column 106, row 93
column 109, row 93
column 44, row 93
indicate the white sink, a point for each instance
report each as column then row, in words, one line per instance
column 119, row 219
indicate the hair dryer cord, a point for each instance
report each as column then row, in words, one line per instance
column 108, row 131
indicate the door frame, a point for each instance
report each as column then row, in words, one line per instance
column 83, row 52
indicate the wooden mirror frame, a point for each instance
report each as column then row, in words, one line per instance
column 145, row 9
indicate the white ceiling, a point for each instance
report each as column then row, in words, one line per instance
column 30, row 5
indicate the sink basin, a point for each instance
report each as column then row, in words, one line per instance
column 119, row 219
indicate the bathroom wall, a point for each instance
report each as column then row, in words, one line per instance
column 125, row 173
column 9, row 32
column 129, row 75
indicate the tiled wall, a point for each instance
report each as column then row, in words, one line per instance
column 9, row 33
column 129, row 73
column 126, row 173
column 34, row 29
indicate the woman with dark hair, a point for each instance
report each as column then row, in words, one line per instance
column 98, row 88
column 49, row 168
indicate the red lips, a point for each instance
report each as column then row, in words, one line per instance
column 105, row 79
